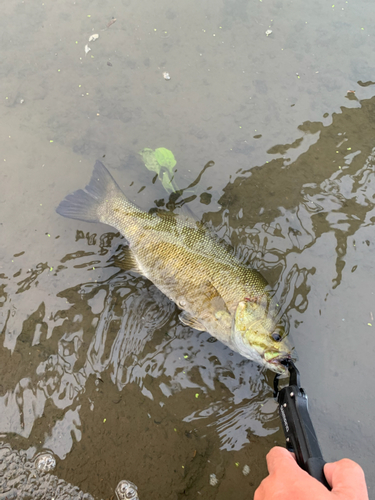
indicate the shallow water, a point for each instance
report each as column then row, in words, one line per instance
column 94, row 364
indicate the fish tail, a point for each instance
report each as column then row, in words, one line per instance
column 91, row 204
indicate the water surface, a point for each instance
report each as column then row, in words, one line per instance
column 94, row 364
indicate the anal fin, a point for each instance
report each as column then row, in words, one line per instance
column 126, row 261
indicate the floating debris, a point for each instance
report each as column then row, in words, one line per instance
column 268, row 32
column 166, row 76
column 245, row 470
column 113, row 20
column 213, row 480
column 87, row 49
column 126, row 490
column 45, row 462
column 93, row 37
column 109, row 64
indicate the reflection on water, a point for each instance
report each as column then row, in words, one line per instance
column 328, row 193
column 108, row 326
column 235, row 423
column 277, row 216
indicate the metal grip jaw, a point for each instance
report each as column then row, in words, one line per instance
column 298, row 429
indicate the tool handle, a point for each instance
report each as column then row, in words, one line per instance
column 299, row 431
column 315, row 467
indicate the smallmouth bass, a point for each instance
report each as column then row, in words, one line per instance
column 216, row 292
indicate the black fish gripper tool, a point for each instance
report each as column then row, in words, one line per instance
column 296, row 422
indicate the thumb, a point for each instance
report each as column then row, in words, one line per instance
column 279, row 459
column 346, row 479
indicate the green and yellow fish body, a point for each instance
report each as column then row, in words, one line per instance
column 189, row 265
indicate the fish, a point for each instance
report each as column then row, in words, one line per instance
column 216, row 292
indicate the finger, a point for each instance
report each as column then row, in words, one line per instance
column 346, row 478
column 280, row 458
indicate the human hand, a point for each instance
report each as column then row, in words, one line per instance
column 287, row 481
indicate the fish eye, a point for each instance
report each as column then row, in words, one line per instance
column 276, row 337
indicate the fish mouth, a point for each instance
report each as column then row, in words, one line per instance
column 275, row 357
column 279, row 363
column 283, row 359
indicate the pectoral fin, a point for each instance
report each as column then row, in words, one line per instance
column 189, row 320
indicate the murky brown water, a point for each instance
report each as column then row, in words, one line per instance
column 94, row 364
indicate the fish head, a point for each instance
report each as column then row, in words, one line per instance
column 258, row 335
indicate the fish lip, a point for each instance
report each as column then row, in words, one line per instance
column 280, row 360
column 280, row 364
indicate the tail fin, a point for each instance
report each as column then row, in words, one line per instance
column 87, row 204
